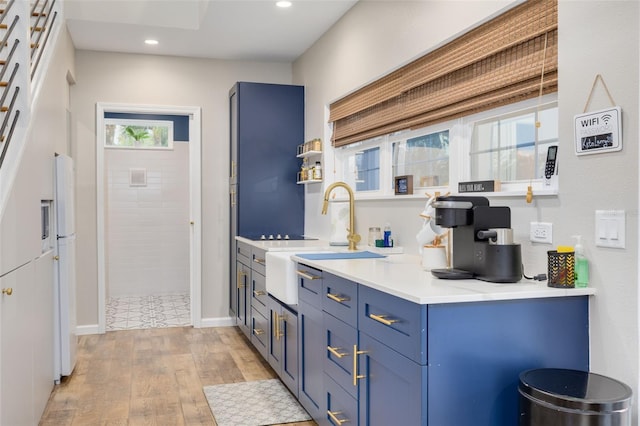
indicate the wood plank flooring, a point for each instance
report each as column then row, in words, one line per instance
column 153, row 377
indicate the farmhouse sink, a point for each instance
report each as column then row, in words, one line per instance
column 281, row 278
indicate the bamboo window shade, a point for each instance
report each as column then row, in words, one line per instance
column 510, row 58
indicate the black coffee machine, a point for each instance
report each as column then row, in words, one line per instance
column 483, row 245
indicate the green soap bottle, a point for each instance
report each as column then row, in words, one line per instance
column 581, row 264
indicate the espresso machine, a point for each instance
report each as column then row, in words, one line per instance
column 482, row 240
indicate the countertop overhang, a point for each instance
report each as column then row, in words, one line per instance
column 402, row 275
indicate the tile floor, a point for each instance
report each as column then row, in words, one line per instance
column 139, row 312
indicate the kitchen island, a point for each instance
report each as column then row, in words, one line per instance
column 381, row 341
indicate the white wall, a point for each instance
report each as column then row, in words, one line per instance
column 147, row 227
column 157, row 80
column 374, row 38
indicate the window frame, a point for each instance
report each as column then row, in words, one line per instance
column 460, row 138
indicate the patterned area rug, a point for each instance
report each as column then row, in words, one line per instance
column 258, row 403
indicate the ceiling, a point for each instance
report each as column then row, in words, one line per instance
column 251, row 30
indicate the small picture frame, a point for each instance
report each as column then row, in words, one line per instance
column 403, row 185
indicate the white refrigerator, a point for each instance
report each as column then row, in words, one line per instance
column 65, row 342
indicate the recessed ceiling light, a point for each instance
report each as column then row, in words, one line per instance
column 283, row 3
column 151, row 41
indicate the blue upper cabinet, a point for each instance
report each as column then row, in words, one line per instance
column 267, row 125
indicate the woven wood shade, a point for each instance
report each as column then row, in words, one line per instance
column 508, row 59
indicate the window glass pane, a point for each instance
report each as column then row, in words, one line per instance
column 368, row 169
column 504, row 148
column 425, row 157
column 138, row 134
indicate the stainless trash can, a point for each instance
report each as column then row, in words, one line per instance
column 559, row 397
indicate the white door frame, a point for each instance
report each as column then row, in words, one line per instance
column 195, row 202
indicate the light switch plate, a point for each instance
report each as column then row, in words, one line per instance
column 610, row 228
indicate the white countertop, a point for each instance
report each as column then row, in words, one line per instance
column 402, row 275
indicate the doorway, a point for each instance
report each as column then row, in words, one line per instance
column 148, row 188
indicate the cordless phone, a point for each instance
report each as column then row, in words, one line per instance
column 550, row 165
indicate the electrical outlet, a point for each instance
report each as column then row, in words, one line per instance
column 541, row 232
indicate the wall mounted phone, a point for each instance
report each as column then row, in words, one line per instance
column 550, row 164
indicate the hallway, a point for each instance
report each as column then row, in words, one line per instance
column 152, row 377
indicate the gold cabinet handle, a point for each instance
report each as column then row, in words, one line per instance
column 191, row 222
column 260, row 261
column 56, row 257
column 240, row 279
column 258, row 293
column 334, row 419
column 258, row 331
column 8, row 291
column 338, row 298
column 308, row 276
column 357, row 376
column 336, row 352
column 277, row 330
column 383, row 319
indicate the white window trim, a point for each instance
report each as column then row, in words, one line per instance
column 460, row 133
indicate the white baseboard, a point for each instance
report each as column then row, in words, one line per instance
column 217, row 322
column 83, row 330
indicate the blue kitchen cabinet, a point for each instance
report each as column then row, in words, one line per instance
column 310, row 342
column 477, row 351
column 439, row 364
column 283, row 343
column 266, row 124
column 391, row 388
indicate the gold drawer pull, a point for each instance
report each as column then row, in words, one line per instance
column 357, row 376
column 336, row 352
column 383, row 319
column 257, row 260
column 334, row 419
column 240, row 279
column 338, row 298
column 258, row 331
column 308, row 276
column 7, row 291
column 258, row 293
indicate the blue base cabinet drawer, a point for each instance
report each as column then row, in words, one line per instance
column 243, row 253
column 340, row 298
column 392, row 388
column 259, row 332
column 258, row 260
column 309, row 285
column 340, row 339
column 258, row 293
column 399, row 323
column 342, row 408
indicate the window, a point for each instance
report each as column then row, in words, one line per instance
column 361, row 167
column 502, row 144
column 138, row 134
column 424, row 157
column 505, row 148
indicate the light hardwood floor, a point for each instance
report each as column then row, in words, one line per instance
column 153, row 377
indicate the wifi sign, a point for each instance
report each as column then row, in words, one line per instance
column 598, row 131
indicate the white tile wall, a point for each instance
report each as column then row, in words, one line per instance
column 147, row 228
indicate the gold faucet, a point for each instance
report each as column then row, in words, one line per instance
column 352, row 237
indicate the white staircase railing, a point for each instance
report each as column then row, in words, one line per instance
column 28, row 30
